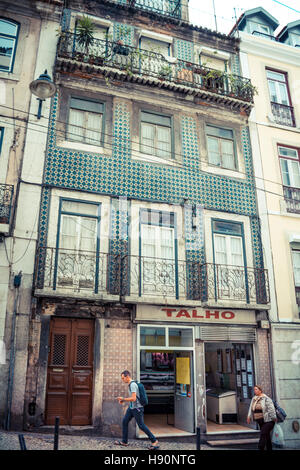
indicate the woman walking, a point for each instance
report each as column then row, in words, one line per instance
column 262, row 411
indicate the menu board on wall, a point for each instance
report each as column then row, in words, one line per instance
column 245, row 391
column 238, row 380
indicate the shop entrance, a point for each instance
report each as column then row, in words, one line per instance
column 229, row 372
column 167, row 375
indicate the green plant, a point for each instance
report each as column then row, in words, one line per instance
column 85, row 32
column 165, row 71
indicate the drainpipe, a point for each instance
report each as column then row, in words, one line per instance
column 17, row 283
column 273, row 386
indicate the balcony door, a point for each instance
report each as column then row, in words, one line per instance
column 78, row 240
column 230, row 281
column 158, row 274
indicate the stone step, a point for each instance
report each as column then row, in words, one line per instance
column 230, row 442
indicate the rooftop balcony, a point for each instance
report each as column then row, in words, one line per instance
column 102, row 276
column 117, row 60
column 169, row 8
column 6, row 196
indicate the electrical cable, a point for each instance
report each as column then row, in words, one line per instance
column 126, row 140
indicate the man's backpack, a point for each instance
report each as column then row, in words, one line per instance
column 143, row 394
column 280, row 413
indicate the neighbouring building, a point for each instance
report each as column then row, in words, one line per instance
column 149, row 253
column 24, row 55
column 272, row 62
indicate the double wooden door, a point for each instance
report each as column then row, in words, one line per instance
column 70, row 372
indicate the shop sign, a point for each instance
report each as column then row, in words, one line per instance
column 195, row 314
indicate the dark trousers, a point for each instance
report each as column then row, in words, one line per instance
column 138, row 414
column 265, row 434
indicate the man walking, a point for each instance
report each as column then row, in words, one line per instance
column 135, row 410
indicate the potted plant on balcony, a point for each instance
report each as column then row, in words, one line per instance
column 241, row 88
column 85, row 35
column 120, row 48
column 165, row 72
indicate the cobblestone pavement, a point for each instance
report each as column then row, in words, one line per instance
column 34, row 441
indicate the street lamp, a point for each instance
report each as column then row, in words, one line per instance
column 43, row 88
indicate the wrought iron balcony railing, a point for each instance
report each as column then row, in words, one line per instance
column 6, row 195
column 171, row 8
column 292, row 199
column 283, row 114
column 143, row 64
column 140, row 277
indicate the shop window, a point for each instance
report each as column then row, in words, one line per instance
column 221, row 147
column 180, row 337
column 153, row 337
column 8, row 43
column 156, row 135
column 86, row 121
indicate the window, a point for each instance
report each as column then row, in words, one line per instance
column 221, row 147
column 8, row 41
column 289, row 162
column 157, row 252
column 259, row 28
column 154, row 45
column 295, row 39
column 156, row 135
column 86, row 121
column 77, row 244
column 296, row 266
column 280, row 100
column 229, row 260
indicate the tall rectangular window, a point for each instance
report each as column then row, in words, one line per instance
column 282, row 109
column 77, row 244
column 290, row 169
column 156, row 135
column 8, row 41
column 86, row 121
column 221, row 147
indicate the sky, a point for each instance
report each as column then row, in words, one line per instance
column 202, row 13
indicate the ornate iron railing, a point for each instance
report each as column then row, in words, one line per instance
column 171, row 8
column 140, row 276
column 283, row 114
column 145, row 64
column 6, row 196
column 292, row 199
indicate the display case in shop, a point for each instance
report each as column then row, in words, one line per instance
column 221, row 405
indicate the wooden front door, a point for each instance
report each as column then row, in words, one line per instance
column 70, row 372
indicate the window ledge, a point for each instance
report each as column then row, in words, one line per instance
column 223, row 171
column 152, row 159
column 69, row 144
column 9, row 76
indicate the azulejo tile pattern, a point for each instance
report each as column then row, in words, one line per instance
column 120, row 175
column 184, row 50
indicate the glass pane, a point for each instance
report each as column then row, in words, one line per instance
column 6, row 52
column 76, row 125
column 285, row 172
column 93, row 132
column 147, row 138
column 79, row 207
column 214, row 156
column 283, row 94
column 236, row 251
column 148, row 241
column 295, row 174
column 273, row 92
column 276, row 76
column 181, row 337
column 7, row 27
column 296, row 265
column 167, row 243
column 100, row 32
column 153, row 336
column 69, row 232
column 288, row 152
column 228, row 159
column 88, row 230
column 220, row 249
column 163, row 142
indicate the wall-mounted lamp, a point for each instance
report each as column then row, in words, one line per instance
column 43, row 88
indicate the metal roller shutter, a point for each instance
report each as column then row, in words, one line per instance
column 226, row 333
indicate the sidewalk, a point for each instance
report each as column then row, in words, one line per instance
column 34, row 441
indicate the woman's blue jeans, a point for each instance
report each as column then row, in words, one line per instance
column 138, row 414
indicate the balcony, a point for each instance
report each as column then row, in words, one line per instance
column 6, row 196
column 116, row 60
column 283, row 114
column 167, row 8
column 292, row 199
column 143, row 279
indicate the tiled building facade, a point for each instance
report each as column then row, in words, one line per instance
column 149, row 254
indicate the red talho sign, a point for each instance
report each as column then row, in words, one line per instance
column 193, row 313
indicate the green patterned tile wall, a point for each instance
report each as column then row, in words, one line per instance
column 120, row 175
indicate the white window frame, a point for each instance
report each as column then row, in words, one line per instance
column 220, row 139
column 84, row 139
column 154, row 150
column 289, row 160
